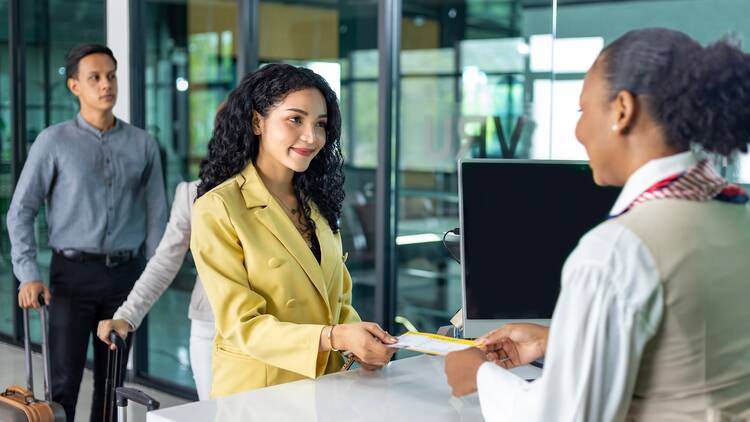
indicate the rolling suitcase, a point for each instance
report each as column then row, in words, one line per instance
column 17, row 403
column 115, row 395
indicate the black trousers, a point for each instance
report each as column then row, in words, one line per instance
column 83, row 293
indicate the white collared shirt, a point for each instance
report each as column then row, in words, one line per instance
column 608, row 309
column 650, row 173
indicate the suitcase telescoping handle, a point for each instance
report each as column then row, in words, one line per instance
column 45, row 349
column 124, row 394
column 114, row 377
column 114, row 392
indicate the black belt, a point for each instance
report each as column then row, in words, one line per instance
column 110, row 260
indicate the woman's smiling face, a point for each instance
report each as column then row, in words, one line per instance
column 294, row 131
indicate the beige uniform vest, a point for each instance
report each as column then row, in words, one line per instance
column 697, row 366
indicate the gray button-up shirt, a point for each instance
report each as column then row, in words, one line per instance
column 104, row 192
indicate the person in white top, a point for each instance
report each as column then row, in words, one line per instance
column 156, row 278
column 651, row 321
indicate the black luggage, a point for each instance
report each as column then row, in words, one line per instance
column 115, row 395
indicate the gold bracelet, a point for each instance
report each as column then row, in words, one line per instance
column 330, row 339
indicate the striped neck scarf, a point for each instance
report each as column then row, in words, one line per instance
column 698, row 183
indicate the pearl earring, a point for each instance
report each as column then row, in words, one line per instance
column 614, row 127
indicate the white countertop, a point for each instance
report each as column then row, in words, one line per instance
column 412, row 389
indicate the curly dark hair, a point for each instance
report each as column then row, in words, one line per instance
column 233, row 144
column 700, row 96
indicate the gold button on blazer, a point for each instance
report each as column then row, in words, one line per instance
column 270, row 296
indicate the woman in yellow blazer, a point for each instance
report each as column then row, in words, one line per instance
column 265, row 236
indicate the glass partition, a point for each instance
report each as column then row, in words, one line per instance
column 339, row 41
column 468, row 90
column 7, row 288
column 191, row 62
column 583, row 29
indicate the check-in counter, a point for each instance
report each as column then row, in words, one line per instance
column 412, row 389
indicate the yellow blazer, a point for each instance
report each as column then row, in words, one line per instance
column 270, row 296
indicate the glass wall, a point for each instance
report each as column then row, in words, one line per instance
column 583, row 29
column 7, row 289
column 191, row 60
column 467, row 91
column 339, row 41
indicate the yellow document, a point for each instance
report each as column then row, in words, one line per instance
column 431, row 344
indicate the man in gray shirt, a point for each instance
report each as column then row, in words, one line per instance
column 101, row 181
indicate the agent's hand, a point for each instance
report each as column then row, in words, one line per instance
column 367, row 341
column 106, row 326
column 29, row 293
column 461, row 369
column 515, row 344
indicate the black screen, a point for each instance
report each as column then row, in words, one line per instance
column 521, row 220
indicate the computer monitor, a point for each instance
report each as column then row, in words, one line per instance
column 520, row 219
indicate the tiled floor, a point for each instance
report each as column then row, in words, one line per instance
column 12, row 372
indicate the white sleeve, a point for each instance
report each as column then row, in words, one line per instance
column 163, row 266
column 610, row 305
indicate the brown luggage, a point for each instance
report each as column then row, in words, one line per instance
column 18, row 404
